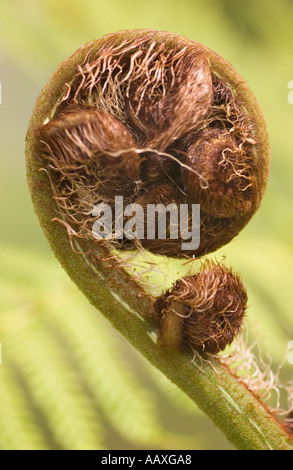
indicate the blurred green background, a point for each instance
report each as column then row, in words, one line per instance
column 67, row 379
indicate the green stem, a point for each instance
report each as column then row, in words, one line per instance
column 246, row 422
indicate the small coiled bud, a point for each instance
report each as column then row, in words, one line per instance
column 92, row 148
column 209, row 307
column 223, row 181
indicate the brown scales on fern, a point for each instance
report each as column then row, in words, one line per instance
column 210, row 305
column 144, row 113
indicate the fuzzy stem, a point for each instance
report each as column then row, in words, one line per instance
column 246, row 422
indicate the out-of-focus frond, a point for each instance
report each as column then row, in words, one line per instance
column 65, row 378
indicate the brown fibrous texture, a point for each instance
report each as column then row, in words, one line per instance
column 147, row 118
column 222, row 169
column 211, row 306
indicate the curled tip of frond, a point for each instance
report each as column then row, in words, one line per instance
column 144, row 110
column 211, row 305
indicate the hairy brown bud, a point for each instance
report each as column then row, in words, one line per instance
column 210, row 306
column 174, row 96
column 223, row 180
column 157, row 118
column 93, row 146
